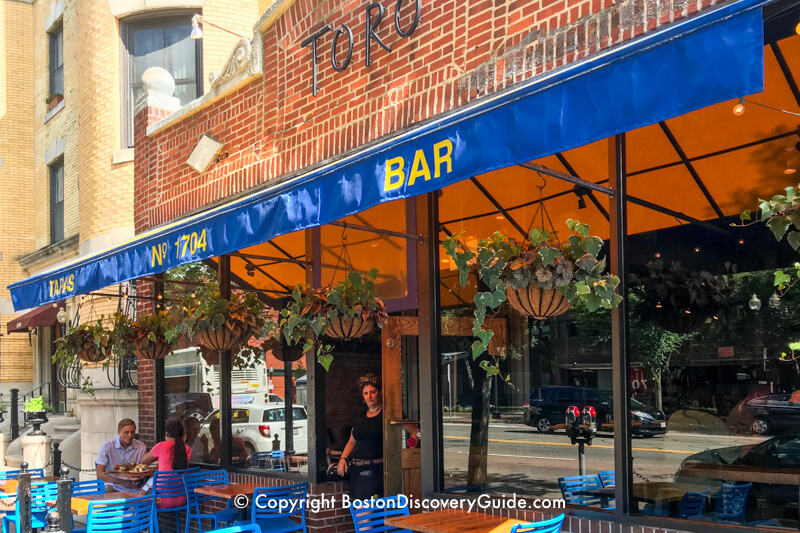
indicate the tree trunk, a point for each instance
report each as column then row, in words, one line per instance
column 657, row 382
column 479, row 433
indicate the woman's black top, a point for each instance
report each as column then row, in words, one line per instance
column 368, row 433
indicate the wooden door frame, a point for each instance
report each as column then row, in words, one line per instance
column 391, row 370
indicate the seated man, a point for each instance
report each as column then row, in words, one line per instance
column 117, row 451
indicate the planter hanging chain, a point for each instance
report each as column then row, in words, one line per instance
column 343, row 255
column 541, row 210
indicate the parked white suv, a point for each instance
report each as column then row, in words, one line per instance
column 257, row 425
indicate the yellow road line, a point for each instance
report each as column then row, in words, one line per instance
column 568, row 444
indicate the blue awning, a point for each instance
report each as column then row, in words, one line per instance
column 713, row 57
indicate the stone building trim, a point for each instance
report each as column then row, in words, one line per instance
column 54, row 17
column 31, row 260
column 56, row 150
column 124, row 8
column 53, row 112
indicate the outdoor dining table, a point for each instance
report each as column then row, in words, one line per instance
column 648, row 492
column 454, row 521
column 228, row 492
column 80, row 504
column 9, row 486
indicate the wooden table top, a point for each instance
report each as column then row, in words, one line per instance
column 80, row 504
column 454, row 521
column 649, row 492
column 228, row 492
column 10, row 485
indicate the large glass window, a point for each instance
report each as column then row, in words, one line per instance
column 505, row 433
column 57, row 202
column 160, row 42
column 56, row 66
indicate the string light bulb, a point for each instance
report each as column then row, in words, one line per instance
column 738, row 109
column 659, row 305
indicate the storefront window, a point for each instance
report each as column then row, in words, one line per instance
column 716, row 438
column 505, row 433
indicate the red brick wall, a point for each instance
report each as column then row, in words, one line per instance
column 462, row 50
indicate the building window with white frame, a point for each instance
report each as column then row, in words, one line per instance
column 159, row 41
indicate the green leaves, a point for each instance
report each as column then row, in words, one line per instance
column 501, row 262
column 778, row 226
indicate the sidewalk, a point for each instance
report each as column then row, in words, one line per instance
column 465, row 417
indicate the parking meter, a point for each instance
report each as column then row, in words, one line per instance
column 581, row 428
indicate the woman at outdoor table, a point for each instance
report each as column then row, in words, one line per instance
column 362, row 457
column 172, row 454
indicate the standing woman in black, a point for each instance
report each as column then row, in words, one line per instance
column 362, row 457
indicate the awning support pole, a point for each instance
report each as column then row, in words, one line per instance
column 623, row 460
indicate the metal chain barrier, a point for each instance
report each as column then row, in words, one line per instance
column 76, row 469
column 637, row 474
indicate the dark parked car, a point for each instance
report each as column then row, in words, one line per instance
column 766, row 415
column 765, row 459
column 548, row 405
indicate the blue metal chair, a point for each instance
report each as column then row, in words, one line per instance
column 693, row 504
column 273, row 508
column 169, row 485
column 84, row 488
column 247, row 528
column 278, row 464
column 732, row 502
column 122, row 516
column 206, row 478
column 370, row 516
column 41, row 493
column 572, row 486
column 607, row 478
column 261, row 460
column 14, row 474
column 552, row 525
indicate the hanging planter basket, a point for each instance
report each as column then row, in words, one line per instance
column 282, row 352
column 222, row 339
column 537, row 303
column 154, row 350
column 92, row 354
column 347, row 328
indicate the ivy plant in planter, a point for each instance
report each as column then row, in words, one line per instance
column 148, row 336
column 36, row 413
column 90, row 343
column 224, row 324
column 540, row 276
column 347, row 310
column 680, row 300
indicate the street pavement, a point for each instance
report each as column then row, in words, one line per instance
column 526, row 462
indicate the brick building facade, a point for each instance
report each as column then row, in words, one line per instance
column 273, row 127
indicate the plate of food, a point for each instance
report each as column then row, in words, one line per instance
column 133, row 470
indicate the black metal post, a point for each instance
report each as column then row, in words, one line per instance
column 24, row 497
column 429, row 329
column 289, row 422
column 623, row 459
column 54, row 403
column 56, row 459
column 14, row 413
column 64, row 505
column 158, row 368
column 225, row 412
